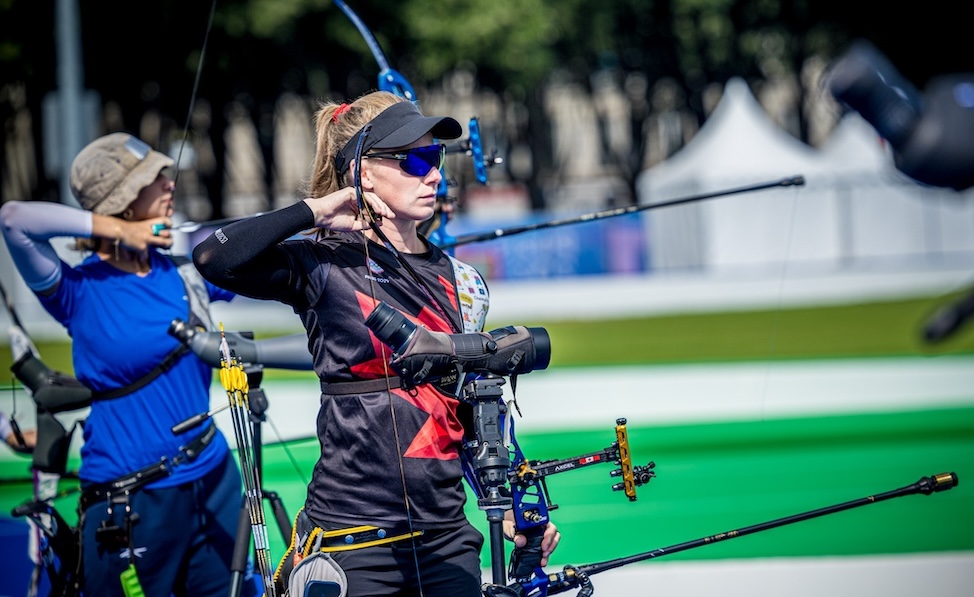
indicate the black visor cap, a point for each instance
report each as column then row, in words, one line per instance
column 398, row 126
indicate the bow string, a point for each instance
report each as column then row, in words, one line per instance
column 234, row 380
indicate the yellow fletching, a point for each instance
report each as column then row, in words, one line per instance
column 240, row 379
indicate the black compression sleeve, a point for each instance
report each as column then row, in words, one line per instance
column 244, row 257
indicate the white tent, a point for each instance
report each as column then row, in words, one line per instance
column 886, row 215
column 738, row 146
column 855, row 208
column 854, row 150
column 874, row 198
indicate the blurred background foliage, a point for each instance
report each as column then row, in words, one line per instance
column 144, row 55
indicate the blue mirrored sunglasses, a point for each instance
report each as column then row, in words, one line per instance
column 417, row 161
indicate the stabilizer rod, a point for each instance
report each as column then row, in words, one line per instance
column 618, row 211
column 573, row 576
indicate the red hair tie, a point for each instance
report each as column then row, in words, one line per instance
column 339, row 111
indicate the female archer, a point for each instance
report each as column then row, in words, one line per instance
column 386, row 498
column 157, row 509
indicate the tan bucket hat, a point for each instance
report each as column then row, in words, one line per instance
column 109, row 172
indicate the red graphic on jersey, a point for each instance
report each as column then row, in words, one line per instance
column 442, row 432
column 448, row 287
column 441, row 435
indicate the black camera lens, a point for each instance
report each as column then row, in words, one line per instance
column 390, row 326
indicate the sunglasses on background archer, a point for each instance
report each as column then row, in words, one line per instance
column 417, row 161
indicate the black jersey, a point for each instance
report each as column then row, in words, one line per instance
column 364, row 437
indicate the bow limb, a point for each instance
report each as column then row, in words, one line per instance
column 20, row 342
column 393, row 81
column 389, row 79
column 45, row 484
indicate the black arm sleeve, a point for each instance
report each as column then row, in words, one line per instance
column 245, row 257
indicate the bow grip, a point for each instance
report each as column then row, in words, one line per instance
column 524, row 560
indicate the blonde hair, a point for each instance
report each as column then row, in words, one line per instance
column 335, row 124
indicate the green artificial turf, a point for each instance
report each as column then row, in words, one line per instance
column 715, row 478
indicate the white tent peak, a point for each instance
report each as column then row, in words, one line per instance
column 855, row 147
column 737, row 144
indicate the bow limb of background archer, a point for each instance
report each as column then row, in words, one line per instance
column 52, row 545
